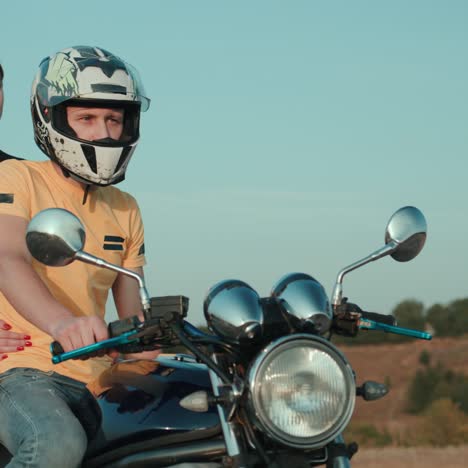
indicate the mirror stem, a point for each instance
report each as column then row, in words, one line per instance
column 91, row 259
column 337, row 295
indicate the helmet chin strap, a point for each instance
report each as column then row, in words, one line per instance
column 86, row 189
column 85, row 194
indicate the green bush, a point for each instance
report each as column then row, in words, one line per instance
column 425, row 358
column 444, row 424
column 367, row 435
column 436, row 383
column 422, row 389
column 449, row 320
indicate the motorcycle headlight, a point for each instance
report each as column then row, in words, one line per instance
column 302, row 391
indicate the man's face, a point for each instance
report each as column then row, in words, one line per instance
column 96, row 123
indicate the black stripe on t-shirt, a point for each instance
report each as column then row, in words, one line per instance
column 7, row 197
column 113, row 239
column 113, row 247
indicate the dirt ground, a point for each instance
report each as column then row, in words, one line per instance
column 397, row 364
column 395, row 457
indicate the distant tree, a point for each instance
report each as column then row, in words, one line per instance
column 410, row 314
column 438, row 317
column 458, row 315
column 450, row 320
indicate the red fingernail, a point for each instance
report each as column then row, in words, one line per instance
column 4, row 357
column 20, row 348
column 27, row 343
column 6, row 326
column 27, row 337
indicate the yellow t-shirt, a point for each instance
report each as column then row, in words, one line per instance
column 114, row 232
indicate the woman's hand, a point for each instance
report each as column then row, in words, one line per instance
column 10, row 341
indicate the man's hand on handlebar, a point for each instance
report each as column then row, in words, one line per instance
column 76, row 332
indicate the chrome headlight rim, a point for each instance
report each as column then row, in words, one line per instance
column 265, row 357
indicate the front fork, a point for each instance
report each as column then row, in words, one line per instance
column 340, row 453
column 233, row 450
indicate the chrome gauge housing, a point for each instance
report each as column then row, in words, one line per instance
column 301, row 390
column 233, row 311
column 305, row 301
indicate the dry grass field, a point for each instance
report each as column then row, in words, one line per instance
column 397, row 364
column 396, row 457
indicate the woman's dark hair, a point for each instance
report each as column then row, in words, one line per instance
column 1, row 72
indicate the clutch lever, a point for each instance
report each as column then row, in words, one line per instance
column 58, row 355
column 131, row 341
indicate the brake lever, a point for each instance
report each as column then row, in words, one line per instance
column 366, row 324
column 349, row 324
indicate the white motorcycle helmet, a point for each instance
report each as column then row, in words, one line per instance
column 86, row 76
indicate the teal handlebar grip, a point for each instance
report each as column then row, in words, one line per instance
column 365, row 324
column 124, row 338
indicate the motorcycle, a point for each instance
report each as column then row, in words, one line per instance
column 265, row 388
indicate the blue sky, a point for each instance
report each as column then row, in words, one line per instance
column 281, row 136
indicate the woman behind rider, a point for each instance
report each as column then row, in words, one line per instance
column 10, row 341
column 85, row 105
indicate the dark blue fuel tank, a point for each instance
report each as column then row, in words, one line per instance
column 139, row 400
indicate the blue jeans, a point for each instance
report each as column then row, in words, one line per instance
column 39, row 422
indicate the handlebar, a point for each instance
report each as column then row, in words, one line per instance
column 130, row 335
column 381, row 318
column 134, row 341
column 165, row 327
column 349, row 319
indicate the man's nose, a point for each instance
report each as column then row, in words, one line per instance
column 101, row 130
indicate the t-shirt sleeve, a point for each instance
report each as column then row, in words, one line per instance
column 135, row 251
column 14, row 191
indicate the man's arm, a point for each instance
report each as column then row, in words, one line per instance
column 126, row 294
column 30, row 297
column 127, row 302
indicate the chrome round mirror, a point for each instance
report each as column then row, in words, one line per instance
column 407, row 228
column 54, row 236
